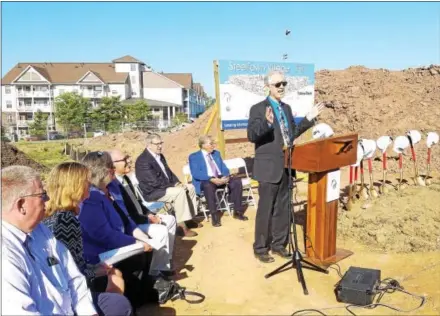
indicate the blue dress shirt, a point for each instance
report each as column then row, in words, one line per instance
column 39, row 275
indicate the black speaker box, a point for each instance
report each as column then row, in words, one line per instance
column 358, row 286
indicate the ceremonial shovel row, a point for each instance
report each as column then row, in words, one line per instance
column 366, row 151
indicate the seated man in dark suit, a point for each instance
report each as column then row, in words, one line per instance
column 158, row 183
column 210, row 173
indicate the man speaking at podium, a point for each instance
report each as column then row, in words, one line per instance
column 272, row 129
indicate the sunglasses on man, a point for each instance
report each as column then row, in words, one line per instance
column 125, row 159
column 279, row 84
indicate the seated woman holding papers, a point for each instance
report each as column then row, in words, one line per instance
column 105, row 228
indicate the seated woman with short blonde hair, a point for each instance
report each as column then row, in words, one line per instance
column 68, row 186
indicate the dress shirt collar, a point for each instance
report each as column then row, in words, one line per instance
column 205, row 153
column 120, row 178
column 15, row 231
column 273, row 101
column 154, row 154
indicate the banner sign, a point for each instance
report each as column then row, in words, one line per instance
column 241, row 85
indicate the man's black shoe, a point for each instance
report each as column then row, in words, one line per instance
column 283, row 253
column 264, row 257
column 240, row 217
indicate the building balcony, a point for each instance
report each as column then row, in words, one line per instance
column 92, row 94
column 34, row 94
column 24, row 123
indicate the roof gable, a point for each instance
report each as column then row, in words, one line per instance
column 155, row 80
column 127, row 59
column 90, row 77
column 185, row 79
column 30, row 74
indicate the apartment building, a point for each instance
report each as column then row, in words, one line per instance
column 29, row 87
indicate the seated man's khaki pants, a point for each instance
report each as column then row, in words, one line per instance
column 183, row 201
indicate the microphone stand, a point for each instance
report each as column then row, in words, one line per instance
column 297, row 260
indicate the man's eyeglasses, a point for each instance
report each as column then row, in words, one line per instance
column 43, row 195
column 157, row 144
column 125, row 159
column 279, row 84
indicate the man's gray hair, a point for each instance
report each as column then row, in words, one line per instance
column 16, row 182
column 151, row 137
column 204, row 139
column 270, row 74
column 99, row 163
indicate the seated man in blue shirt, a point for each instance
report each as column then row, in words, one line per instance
column 39, row 274
column 210, row 173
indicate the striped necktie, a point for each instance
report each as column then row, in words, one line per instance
column 283, row 125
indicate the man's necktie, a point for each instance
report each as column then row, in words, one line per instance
column 283, row 126
column 26, row 247
column 213, row 166
column 126, row 181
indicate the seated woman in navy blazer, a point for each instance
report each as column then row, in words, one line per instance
column 210, row 173
column 105, row 227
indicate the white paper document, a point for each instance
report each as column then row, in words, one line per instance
column 114, row 256
column 333, row 185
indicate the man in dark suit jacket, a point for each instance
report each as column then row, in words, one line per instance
column 158, row 183
column 209, row 173
column 271, row 128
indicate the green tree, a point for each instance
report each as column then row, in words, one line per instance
column 110, row 113
column 136, row 112
column 39, row 126
column 71, row 110
column 180, row 118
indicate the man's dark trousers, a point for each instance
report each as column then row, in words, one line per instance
column 235, row 189
column 272, row 231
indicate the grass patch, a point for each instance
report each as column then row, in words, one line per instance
column 47, row 153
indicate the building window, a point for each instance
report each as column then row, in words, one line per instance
column 132, row 67
column 61, row 91
column 9, row 117
column 133, row 79
column 7, row 90
column 98, row 88
column 114, row 92
column 8, row 104
column 133, row 93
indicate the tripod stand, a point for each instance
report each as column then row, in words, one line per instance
column 297, row 259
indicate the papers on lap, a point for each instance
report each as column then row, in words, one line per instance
column 114, row 256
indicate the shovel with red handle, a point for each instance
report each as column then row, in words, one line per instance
column 428, row 167
column 384, row 188
column 350, row 189
column 363, row 193
column 371, row 190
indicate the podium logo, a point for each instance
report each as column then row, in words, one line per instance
column 334, row 184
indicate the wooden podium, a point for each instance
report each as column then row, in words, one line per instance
column 322, row 159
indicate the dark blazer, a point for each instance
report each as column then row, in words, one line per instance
column 152, row 181
column 268, row 140
column 199, row 170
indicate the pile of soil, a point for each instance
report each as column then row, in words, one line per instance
column 372, row 102
column 12, row 156
column 405, row 221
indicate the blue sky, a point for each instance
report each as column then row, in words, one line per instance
column 187, row 37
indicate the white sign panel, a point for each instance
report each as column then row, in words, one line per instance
column 241, row 85
column 333, row 185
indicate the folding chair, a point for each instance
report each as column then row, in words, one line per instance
column 154, row 207
column 237, row 163
column 223, row 192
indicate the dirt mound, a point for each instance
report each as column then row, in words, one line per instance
column 12, row 156
column 376, row 102
column 372, row 102
column 406, row 221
